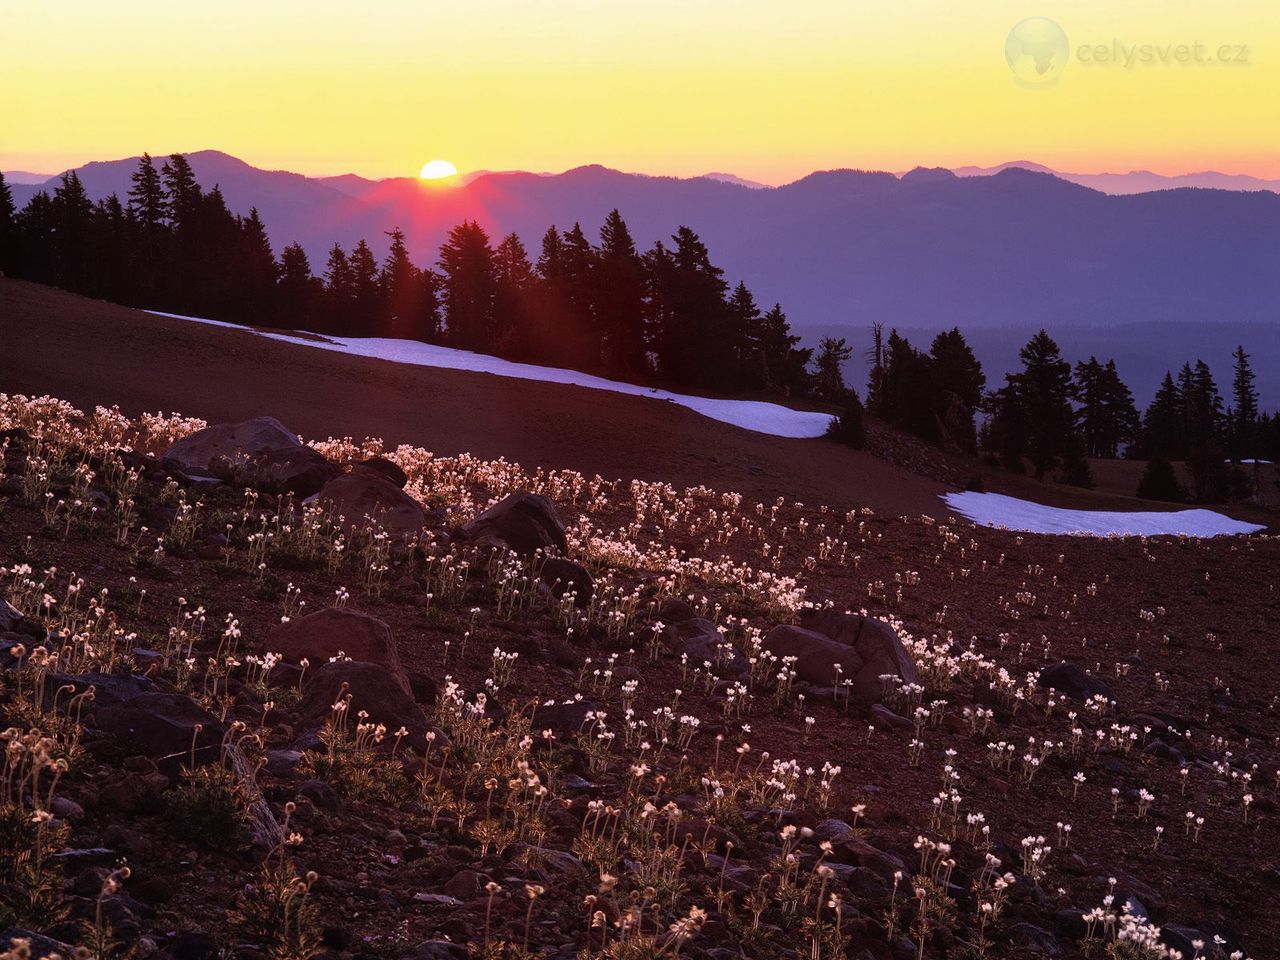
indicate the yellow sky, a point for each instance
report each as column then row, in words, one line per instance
column 768, row 90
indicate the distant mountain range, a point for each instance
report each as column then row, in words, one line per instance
column 1135, row 181
column 1010, row 248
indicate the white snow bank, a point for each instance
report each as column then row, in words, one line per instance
column 757, row 415
column 997, row 510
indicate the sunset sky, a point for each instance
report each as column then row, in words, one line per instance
column 767, row 90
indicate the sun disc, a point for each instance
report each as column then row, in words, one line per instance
column 438, row 170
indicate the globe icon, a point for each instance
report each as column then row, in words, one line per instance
column 1036, row 51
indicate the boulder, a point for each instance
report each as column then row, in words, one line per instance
column 373, row 689
column 876, row 642
column 385, row 469
column 524, row 522
column 261, row 453
column 855, row 851
column 321, row 636
column 563, row 576
column 10, row 617
column 39, row 945
column 163, row 726
column 816, row 656
column 302, row 472
column 231, row 442
column 109, row 689
column 702, row 642
column 565, row 720
column 1041, row 942
column 1070, row 681
column 674, row 610
column 364, row 497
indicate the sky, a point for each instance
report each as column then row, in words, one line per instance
column 765, row 90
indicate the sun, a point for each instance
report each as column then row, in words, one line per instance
column 438, row 170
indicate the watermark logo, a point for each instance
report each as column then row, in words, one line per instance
column 1037, row 51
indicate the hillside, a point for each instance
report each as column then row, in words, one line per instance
column 93, row 353
column 625, row 767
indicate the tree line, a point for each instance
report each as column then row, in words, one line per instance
column 665, row 315
column 1053, row 418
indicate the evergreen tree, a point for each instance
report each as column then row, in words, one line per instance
column 1046, row 390
column 72, row 221
column 583, row 346
column 876, row 359
column 182, row 192
column 34, row 235
column 829, row 378
column 298, row 290
column 513, row 297
column 146, row 196
column 908, row 395
column 469, row 286
column 1162, row 423
column 339, row 292
column 848, row 427
column 548, row 322
column 687, row 311
column 745, row 349
column 1033, row 415
column 1244, row 407
column 959, row 383
column 400, row 289
column 619, row 300
column 257, row 270
column 1159, row 482
column 8, row 228
column 109, row 274
column 366, row 297
column 1007, row 432
column 786, row 364
column 427, row 318
column 1107, row 416
column 147, row 211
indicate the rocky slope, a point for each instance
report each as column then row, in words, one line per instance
column 268, row 699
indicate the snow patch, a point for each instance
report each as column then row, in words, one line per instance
column 1010, row 513
column 757, row 415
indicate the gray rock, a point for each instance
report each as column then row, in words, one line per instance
column 437, row 899
column 373, row 689
column 109, row 689
column 882, row 716
column 525, row 522
column 437, row 950
column 231, row 442
column 364, row 497
column 1036, row 938
column 321, row 636
column 322, row 795
column 281, row 763
column 879, row 648
column 64, row 808
column 701, row 641
column 163, row 726
column 1069, row 680
column 10, row 616
column 561, row 576
column 40, row 945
